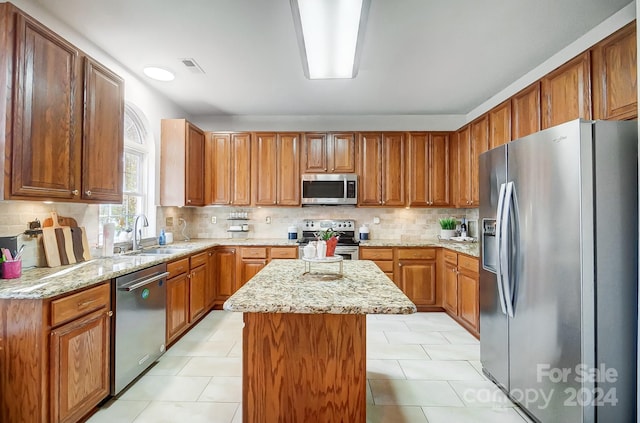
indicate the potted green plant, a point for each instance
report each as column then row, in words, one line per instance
column 447, row 227
column 330, row 237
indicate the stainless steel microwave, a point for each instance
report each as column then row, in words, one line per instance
column 329, row 189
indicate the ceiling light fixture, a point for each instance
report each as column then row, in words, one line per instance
column 159, row 74
column 330, row 36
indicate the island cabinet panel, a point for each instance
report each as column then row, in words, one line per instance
column 615, row 88
column 304, row 368
column 525, row 112
column 103, row 140
column 566, row 92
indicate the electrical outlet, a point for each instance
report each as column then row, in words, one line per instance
column 214, row 219
column 267, row 219
column 168, row 221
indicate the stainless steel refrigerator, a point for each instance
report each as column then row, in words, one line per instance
column 558, row 278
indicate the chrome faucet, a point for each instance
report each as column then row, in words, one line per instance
column 184, row 228
column 137, row 233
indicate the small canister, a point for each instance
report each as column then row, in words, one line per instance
column 364, row 233
column 292, row 232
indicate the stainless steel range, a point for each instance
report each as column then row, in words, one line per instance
column 347, row 242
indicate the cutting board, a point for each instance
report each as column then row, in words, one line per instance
column 62, row 221
column 64, row 244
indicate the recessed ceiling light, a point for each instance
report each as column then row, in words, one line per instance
column 159, row 74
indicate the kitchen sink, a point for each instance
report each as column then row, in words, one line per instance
column 167, row 251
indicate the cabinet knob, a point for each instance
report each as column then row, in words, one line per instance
column 399, row 264
column 75, row 192
column 88, row 193
column 274, row 202
column 109, row 313
column 188, row 201
column 332, row 169
column 325, row 169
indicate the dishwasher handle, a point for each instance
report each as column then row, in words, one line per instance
column 135, row 285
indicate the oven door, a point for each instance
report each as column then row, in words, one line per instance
column 347, row 252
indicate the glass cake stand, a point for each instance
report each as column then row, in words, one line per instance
column 322, row 275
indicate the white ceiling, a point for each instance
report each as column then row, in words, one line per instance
column 420, row 57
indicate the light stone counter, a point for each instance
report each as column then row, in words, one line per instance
column 45, row 282
column 281, row 288
column 469, row 248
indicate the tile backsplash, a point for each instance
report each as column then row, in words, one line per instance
column 395, row 223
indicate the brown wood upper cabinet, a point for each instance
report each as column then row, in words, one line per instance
column 428, row 169
column 329, row 152
column 500, row 124
column 381, row 169
column 566, row 92
column 472, row 140
column 615, row 94
column 525, row 112
column 276, row 172
column 181, row 164
column 56, row 148
column 228, row 168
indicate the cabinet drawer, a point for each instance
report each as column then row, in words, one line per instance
column 81, row 303
column 416, row 253
column 450, row 256
column 199, row 259
column 385, row 266
column 177, row 267
column 284, row 252
column 254, row 252
column 467, row 263
column 376, row 254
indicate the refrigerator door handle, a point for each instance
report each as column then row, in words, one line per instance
column 499, row 217
column 504, row 253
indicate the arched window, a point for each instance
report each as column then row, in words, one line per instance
column 137, row 181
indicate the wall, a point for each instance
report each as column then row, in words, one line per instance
column 395, row 223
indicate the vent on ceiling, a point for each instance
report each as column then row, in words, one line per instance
column 192, row 65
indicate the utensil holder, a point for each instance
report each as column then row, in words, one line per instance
column 12, row 269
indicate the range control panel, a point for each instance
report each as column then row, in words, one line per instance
column 337, row 225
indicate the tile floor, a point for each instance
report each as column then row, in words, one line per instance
column 420, row 368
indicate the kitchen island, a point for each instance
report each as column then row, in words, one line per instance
column 304, row 339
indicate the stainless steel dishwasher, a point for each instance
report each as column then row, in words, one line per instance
column 140, row 320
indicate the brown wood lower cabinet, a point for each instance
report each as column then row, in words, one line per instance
column 461, row 290
column 177, row 299
column 225, row 268
column 54, row 356
column 450, row 282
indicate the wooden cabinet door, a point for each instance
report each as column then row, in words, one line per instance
column 342, row 153
column 500, row 124
column 47, row 113
column 194, row 171
column 439, row 169
column 418, row 281
column 218, row 169
column 370, row 166
column 314, row 153
column 451, row 288
column 241, row 169
column 288, row 166
column 525, row 112
column 197, row 293
column 265, row 154
column 393, row 169
column 479, row 144
column 80, row 352
column 177, row 306
column 248, row 269
column 468, row 298
column 210, row 288
column 566, row 92
column 225, row 273
column 464, row 167
column 615, row 94
column 418, row 169
column 103, row 134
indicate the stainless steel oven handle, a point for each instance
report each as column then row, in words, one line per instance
column 144, row 282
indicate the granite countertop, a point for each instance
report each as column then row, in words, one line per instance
column 47, row 282
column 281, row 287
column 469, row 248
